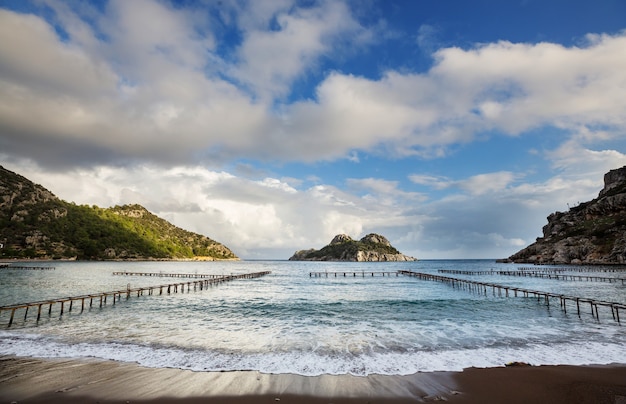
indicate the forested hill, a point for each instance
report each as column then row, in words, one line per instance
column 34, row 223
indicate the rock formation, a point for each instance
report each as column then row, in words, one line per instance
column 372, row 247
column 593, row 232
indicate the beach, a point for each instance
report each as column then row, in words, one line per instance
column 32, row 380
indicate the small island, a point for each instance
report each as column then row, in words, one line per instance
column 371, row 248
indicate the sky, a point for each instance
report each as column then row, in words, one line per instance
column 451, row 127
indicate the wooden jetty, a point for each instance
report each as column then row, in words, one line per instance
column 483, row 287
column 168, row 275
column 459, row 272
column 562, row 277
column 116, row 295
column 538, row 274
column 352, row 274
column 31, row 268
column 575, row 269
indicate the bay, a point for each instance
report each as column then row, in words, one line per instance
column 290, row 322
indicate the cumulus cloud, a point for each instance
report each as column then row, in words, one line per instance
column 272, row 59
column 511, row 88
column 144, row 81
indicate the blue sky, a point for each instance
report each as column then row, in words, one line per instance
column 451, row 127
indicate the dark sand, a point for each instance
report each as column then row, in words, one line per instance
column 29, row 380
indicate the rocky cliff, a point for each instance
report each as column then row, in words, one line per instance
column 590, row 233
column 372, row 247
column 34, row 223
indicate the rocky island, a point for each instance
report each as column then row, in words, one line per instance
column 372, row 247
column 592, row 233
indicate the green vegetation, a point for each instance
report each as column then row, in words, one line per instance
column 36, row 224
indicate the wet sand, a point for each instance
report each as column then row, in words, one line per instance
column 30, row 380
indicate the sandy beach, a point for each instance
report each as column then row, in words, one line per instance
column 31, row 380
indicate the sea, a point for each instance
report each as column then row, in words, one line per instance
column 289, row 322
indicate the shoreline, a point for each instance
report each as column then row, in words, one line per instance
column 35, row 380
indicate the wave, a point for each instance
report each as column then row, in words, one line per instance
column 318, row 361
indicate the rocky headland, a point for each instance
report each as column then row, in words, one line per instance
column 371, row 248
column 592, row 233
column 35, row 224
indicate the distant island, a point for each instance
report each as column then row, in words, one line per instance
column 35, row 224
column 373, row 247
column 593, row 232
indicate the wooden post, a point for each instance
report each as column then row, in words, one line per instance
column 11, row 319
column 38, row 312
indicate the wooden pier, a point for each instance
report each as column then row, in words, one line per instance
column 575, row 269
column 168, row 275
column 352, row 274
column 562, row 277
column 30, row 268
column 459, row 272
column 536, row 274
column 116, row 295
column 483, row 287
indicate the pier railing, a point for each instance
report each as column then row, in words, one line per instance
column 116, row 295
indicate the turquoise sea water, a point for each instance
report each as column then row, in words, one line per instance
column 289, row 322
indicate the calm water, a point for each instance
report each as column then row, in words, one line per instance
column 287, row 322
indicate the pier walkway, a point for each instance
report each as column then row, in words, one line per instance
column 116, row 295
column 535, row 274
column 352, row 274
column 168, row 275
column 575, row 269
column 562, row 277
column 22, row 267
column 483, row 287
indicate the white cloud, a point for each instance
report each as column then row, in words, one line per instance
column 427, row 37
column 142, row 81
column 436, row 182
column 576, row 160
column 487, row 183
column 476, row 185
column 272, row 59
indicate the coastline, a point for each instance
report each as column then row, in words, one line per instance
column 34, row 380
